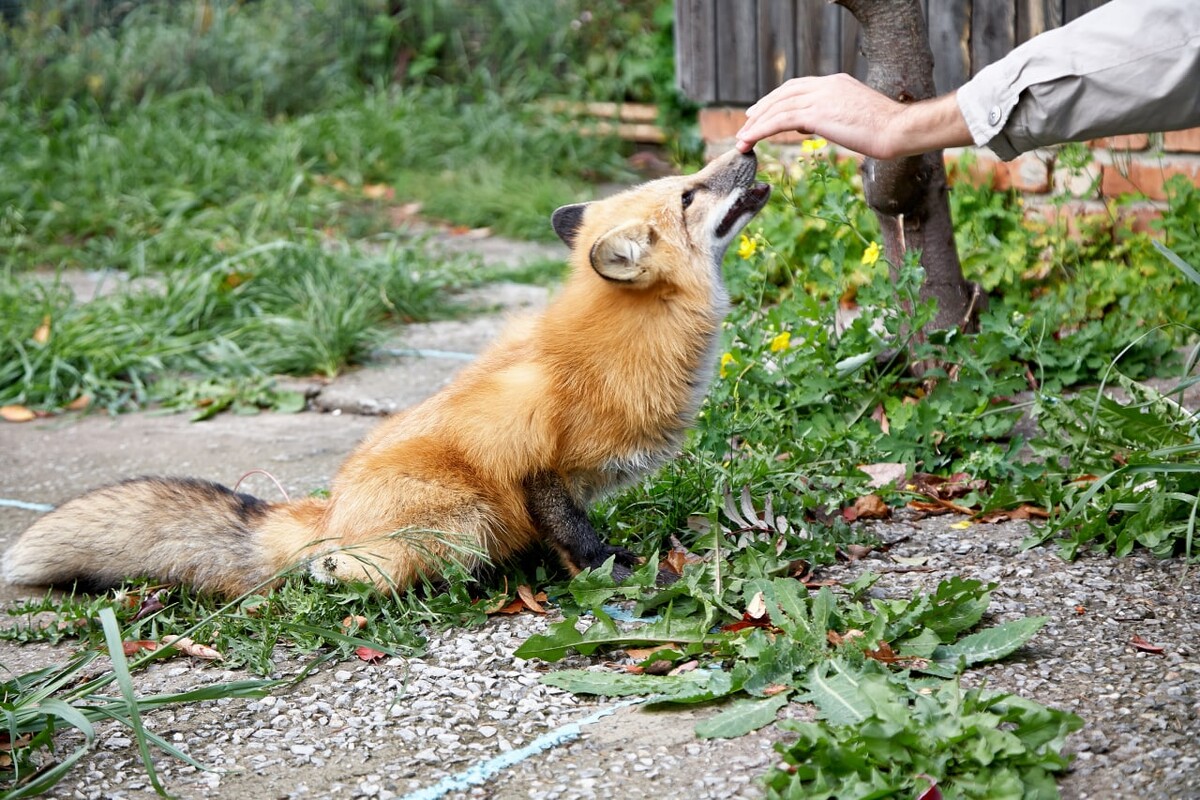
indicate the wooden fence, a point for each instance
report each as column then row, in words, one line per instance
column 734, row 51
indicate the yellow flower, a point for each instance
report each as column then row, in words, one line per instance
column 781, row 342
column 746, row 247
column 871, row 254
column 726, row 360
column 810, row 146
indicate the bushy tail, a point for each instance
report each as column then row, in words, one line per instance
column 178, row 530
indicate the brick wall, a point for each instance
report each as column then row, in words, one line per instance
column 1138, row 164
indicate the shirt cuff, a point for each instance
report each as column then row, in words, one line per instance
column 986, row 102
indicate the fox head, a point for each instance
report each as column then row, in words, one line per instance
column 652, row 234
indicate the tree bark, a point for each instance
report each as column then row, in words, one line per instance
column 909, row 195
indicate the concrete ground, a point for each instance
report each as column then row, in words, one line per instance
column 408, row 727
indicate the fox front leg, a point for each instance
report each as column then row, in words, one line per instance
column 566, row 527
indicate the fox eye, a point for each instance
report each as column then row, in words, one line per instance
column 688, row 197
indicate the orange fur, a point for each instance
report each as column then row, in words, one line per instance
column 596, row 392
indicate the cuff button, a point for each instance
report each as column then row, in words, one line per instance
column 994, row 116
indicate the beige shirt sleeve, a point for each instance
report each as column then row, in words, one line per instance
column 1130, row 66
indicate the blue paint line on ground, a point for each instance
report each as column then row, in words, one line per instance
column 26, row 506
column 479, row 773
column 621, row 614
column 449, row 355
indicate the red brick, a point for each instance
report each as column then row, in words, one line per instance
column 1139, row 218
column 719, row 125
column 1079, row 183
column 1146, row 177
column 1030, row 174
column 980, row 169
column 1129, row 141
column 1071, row 216
column 1187, row 141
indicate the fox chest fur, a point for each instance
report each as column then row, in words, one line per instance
column 591, row 395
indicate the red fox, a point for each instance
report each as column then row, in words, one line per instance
column 590, row 396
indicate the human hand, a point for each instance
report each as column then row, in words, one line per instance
column 849, row 113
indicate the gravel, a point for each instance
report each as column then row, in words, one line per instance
column 384, row 730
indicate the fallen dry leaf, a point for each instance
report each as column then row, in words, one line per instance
column 642, row 653
column 378, row 191
column 79, row 403
column 369, row 654
column 883, row 653
column 869, row 506
column 193, row 649
column 880, row 416
column 686, row 666
column 133, row 647
column 16, row 413
column 854, row 552
column 838, row 639
column 1146, row 647
column 884, row 473
column 42, row 334
column 757, row 607
column 1022, row 512
column 532, row 602
column 150, row 604
column 775, row 688
column 354, row 622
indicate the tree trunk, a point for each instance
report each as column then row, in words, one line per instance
column 908, row 195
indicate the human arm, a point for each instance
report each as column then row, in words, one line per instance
column 853, row 115
column 1129, row 66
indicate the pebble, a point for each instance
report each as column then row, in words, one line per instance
column 381, row 731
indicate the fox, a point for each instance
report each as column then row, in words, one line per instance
column 565, row 407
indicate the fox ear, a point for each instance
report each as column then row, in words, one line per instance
column 619, row 254
column 566, row 221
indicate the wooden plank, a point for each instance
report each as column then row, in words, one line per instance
column 1073, row 9
column 949, row 39
column 695, row 49
column 818, row 37
column 993, row 32
column 776, row 43
column 737, row 43
column 1037, row 16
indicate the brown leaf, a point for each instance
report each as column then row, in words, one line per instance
column 42, row 334
column 838, row 639
column 880, row 416
column 133, row 647
column 1024, row 511
column 661, row 667
column 532, row 602
column 354, row 622
column 674, row 562
column 16, row 413
column 756, row 609
column 855, row 552
column 79, row 403
column 883, row 654
column 505, row 606
column 884, row 473
column 869, row 506
column 150, row 604
column 1146, row 647
column 369, row 654
column 686, row 666
column 193, row 649
column 642, row 653
column 774, row 689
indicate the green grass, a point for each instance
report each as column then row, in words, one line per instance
column 257, row 183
